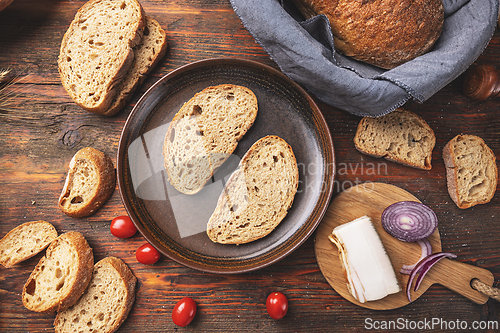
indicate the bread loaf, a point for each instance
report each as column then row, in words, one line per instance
column 61, row 276
column 106, row 302
column 205, row 132
column 384, row 33
column 471, row 170
column 258, row 194
column 90, row 182
column 96, row 51
column 400, row 136
column 25, row 241
column 147, row 54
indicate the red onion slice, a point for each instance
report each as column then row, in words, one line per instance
column 425, row 250
column 409, row 221
column 423, row 267
column 427, row 266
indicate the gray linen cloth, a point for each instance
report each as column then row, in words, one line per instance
column 305, row 52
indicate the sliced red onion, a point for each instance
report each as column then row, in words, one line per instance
column 409, row 221
column 425, row 250
column 423, row 267
column 427, row 266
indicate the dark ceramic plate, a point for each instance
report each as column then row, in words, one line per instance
column 175, row 223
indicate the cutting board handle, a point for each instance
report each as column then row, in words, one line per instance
column 457, row 276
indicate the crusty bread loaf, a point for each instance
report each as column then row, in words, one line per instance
column 25, row 241
column 205, row 132
column 471, row 170
column 106, row 302
column 61, row 276
column 384, row 33
column 90, row 182
column 150, row 50
column 258, row 194
column 96, row 51
column 400, row 136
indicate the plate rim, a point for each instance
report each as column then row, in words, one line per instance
column 274, row 255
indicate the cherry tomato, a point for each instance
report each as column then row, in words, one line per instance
column 184, row 312
column 277, row 305
column 123, row 227
column 147, row 254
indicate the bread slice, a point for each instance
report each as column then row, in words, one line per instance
column 61, row 276
column 400, row 136
column 96, row 51
column 205, row 132
column 148, row 53
column 258, row 194
column 90, row 182
column 105, row 304
column 471, row 170
column 25, row 241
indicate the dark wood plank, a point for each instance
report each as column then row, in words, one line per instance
column 44, row 128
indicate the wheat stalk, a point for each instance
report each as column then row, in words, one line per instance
column 7, row 95
column 3, row 74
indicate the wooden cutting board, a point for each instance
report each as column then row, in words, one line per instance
column 371, row 199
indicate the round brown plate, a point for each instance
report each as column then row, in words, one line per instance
column 175, row 223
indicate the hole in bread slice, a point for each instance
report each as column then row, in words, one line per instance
column 197, row 110
column 30, row 288
column 77, row 200
column 60, row 285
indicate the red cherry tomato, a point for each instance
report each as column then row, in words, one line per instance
column 147, row 254
column 184, row 312
column 277, row 305
column 123, row 227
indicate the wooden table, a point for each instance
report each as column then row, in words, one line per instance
column 43, row 128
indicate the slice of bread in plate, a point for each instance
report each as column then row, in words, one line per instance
column 25, row 241
column 96, row 51
column 61, row 276
column 205, row 132
column 400, row 136
column 471, row 170
column 258, row 194
column 105, row 304
column 148, row 53
column 89, row 183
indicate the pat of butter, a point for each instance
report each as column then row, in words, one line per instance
column 368, row 269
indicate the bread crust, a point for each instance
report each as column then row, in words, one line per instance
column 70, row 201
column 384, row 33
column 4, row 4
column 452, row 171
column 76, row 82
column 39, row 229
column 380, row 151
column 84, row 265
column 147, row 54
column 126, row 280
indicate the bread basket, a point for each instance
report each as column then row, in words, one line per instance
column 305, row 52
